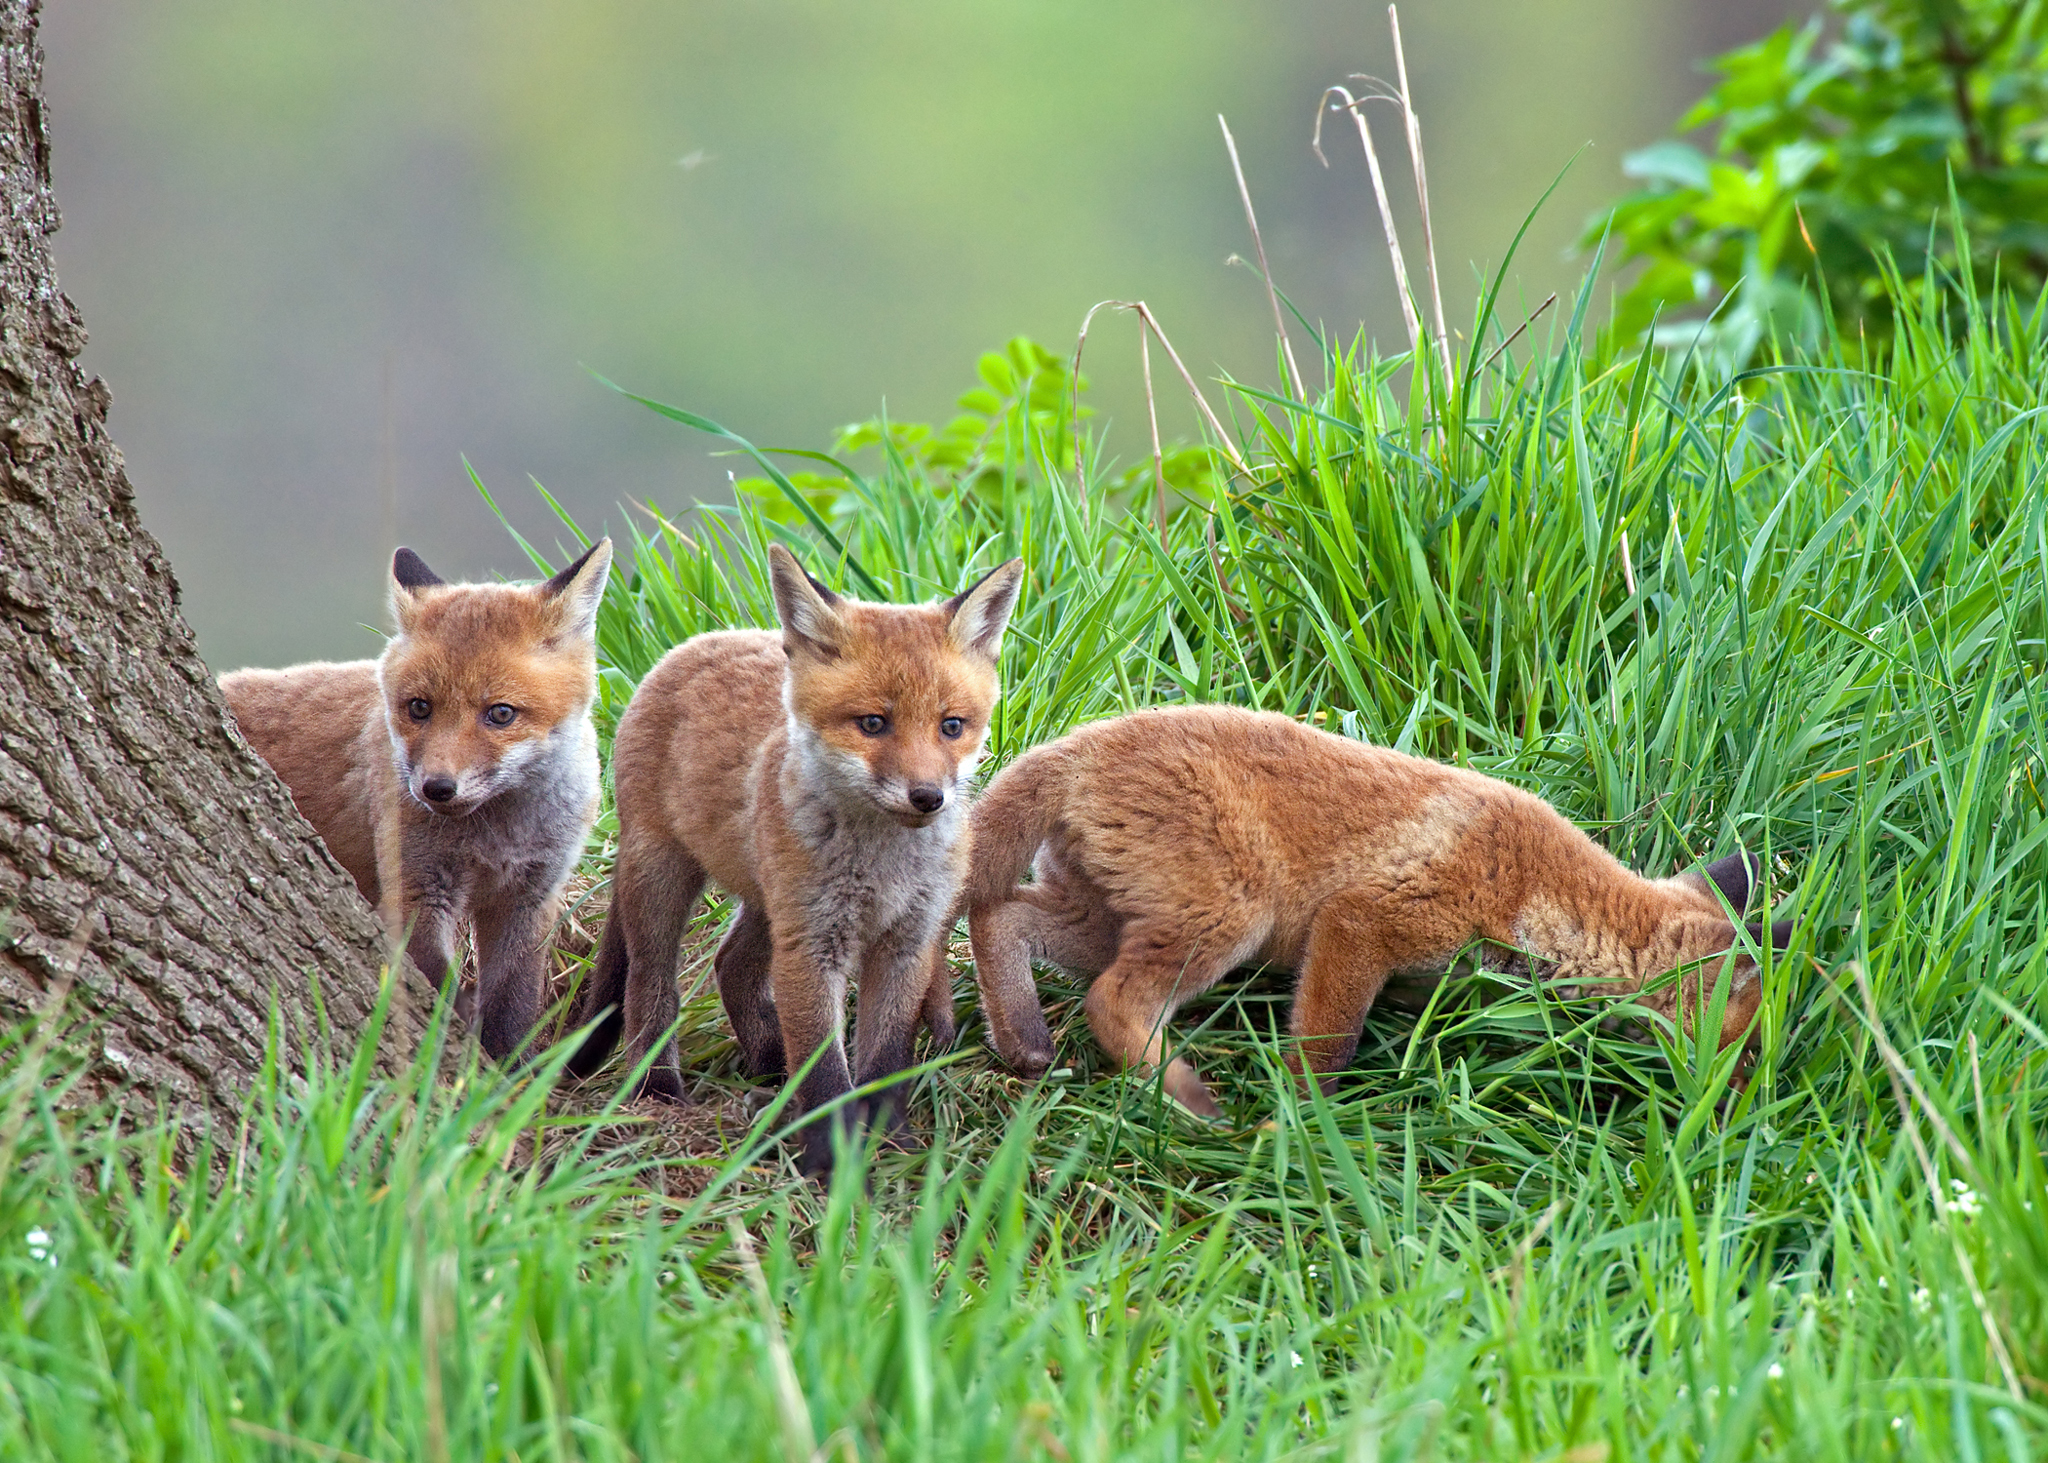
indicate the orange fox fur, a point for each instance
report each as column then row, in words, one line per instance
column 1172, row 845
column 455, row 777
column 820, row 775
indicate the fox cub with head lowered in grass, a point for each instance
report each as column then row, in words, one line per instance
column 1173, row 845
column 456, row 775
column 820, row 775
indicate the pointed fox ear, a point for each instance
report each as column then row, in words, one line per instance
column 808, row 610
column 409, row 575
column 577, row 591
column 1779, row 933
column 1734, row 876
column 982, row 610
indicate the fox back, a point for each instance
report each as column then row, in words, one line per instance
column 1171, row 845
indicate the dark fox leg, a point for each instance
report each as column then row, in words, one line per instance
column 741, row 966
column 895, row 977
column 1131, row 1002
column 653, row 890
column 511, row 967
column 937, row 1008
column 810, row 1001
column 604, row 997
column 432, row 907
column 431, row 945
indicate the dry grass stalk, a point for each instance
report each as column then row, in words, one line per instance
column 1265, row 271
column 1158, row 455
column 1495, row 353
column 1355, row 106
column 1414, row 128
column 1149, row 322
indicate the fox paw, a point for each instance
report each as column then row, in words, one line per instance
column 1191, row 1092
column 665, row 1084
column 1032, row 1062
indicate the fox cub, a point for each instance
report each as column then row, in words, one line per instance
column 821, row 776
column 456, row 775
column 1173, row 845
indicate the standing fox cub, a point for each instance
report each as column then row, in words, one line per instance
column 820, row 775
column 1173, row 845
column 456, row 775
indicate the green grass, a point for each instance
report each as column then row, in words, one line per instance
column 1802, row 612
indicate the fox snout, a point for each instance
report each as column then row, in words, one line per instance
column 442, row 790
column 912, row 799
column 914, row 802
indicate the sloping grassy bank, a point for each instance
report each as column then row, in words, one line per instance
column 1802, row 612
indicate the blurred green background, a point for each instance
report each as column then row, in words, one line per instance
column 326, row 250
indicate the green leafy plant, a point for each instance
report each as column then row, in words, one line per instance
column 1024, row 408
column 1841, row 152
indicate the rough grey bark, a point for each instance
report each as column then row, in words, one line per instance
column 148, row 858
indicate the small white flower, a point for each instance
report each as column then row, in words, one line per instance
column 1923, row 1300
column 1776, row 1372
column 1813, row 1178
column 39, row 1247
column 1965, row 1202
column 1294, row 1358
column 1311, row 1272
column 1897, row 1423
column 1883, row 1284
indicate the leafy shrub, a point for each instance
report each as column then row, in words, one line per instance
column 1026, row 404
column 1838, row 158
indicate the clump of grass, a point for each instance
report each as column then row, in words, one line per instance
column 1801, row 610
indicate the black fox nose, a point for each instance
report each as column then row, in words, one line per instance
column 926, row 798
column 438, row 789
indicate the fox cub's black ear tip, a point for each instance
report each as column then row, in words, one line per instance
column 1735, row 876
column 784, row 565
column 602, row 549
column 411, row 571
column 1778, row 933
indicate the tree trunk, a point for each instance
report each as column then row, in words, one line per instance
column 148, row 859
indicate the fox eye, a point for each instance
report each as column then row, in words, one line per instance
column 873, row 726
column 500, row 715
column 952, row 726
column 419, row 708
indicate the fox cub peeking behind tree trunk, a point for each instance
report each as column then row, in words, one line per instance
column 820, row 775
column 455, row 776
column 1173, row 845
